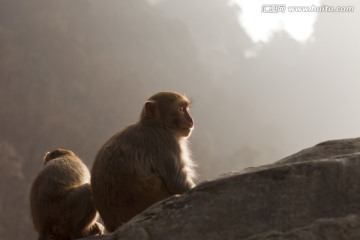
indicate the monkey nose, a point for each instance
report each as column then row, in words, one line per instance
column 191, row 123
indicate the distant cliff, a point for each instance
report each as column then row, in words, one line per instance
column 313, row 194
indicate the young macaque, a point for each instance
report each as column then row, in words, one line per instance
column 61, row 201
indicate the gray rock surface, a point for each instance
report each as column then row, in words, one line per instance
column 326, row 150
column 313, row 194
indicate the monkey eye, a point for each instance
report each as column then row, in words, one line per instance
column 182, row 109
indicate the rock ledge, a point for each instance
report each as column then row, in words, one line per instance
column 313, row 194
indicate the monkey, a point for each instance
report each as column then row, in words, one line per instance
column 145, row 162
column 61, row 199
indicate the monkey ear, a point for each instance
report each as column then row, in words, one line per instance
column 151, row 110
column 46, row 157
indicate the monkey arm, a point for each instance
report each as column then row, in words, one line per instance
column 171, row 170
column 83, row 209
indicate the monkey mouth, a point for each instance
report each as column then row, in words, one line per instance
column 185, row 132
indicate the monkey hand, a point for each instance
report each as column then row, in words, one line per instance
column 98, row 228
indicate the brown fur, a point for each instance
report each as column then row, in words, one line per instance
column 61, row 200
column 146, row 162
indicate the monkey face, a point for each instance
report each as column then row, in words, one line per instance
column 183, row 121
column 176, row 116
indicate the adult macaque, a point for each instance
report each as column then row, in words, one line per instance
column 61, row 199
column 146, row 162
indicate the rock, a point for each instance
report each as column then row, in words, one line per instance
column 326, row 150
column 314, row 194
column 346, row 228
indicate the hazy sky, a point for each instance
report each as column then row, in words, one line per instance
column 261, row 20
column 292, row 74
column 268, row 78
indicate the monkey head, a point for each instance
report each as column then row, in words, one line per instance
column 171, row 110
column 58, row 153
